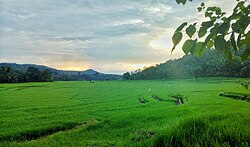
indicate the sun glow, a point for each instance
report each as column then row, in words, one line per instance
column 161, row 41
column 133, row 67
column 73, row 66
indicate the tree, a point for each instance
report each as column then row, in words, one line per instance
column 211, row 64
column 47, row 76
column 7, row 75
column 227, row 34
column 4, row 74
column 127, row 76
column 245, row 70
column 21, row 76
column 33, row 74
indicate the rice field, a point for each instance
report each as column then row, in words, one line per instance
column 125, row 113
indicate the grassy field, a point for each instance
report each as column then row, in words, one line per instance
column 110, row 114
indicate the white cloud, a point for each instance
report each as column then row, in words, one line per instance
column 108, row 35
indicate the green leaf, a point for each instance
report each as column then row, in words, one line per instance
column 198, row 49
column 194, row 46
column 202, row 4
column 202, row 32
column 247, row 39
column 207, row 44
column 202, row 51
column 211, row 8
column 210, row 44
column 184, row 2
column 213, row 18
column 208, row 39
column 187, row 46
column 208, row 14
column 214, row 30
column 179, row 29
column 223, row 28
column 236, row 27
column 224, row 18
column 181, row 1
column 178, row 1
column 204, row 26
column 191, row 30
column 228, row 52
column 218, row 11
column 246, row 54
column 199, row 9
column 237, row 59
column 207, row 24
column 176, row 39
column 239, row 40
column 244, row 21
column 233, row 42
column 239, row 5
column 220, row 43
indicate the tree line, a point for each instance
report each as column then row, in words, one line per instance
column 19, row 73
column 32, row 74
column 211, row 64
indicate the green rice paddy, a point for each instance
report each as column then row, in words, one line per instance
column 111, row 113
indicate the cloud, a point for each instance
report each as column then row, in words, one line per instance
column 108, row 35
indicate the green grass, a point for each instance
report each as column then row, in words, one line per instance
column 110, row 114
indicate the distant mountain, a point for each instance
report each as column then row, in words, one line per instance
column 64, row 75
column 22, row 67
column 90, row 72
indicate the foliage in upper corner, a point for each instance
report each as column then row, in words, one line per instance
column 228, row 34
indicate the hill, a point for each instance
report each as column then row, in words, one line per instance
column 62, row 75
column 211, row 64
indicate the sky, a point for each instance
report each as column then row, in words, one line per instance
column 111, row 36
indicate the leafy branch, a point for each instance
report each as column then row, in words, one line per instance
column 215, row 32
